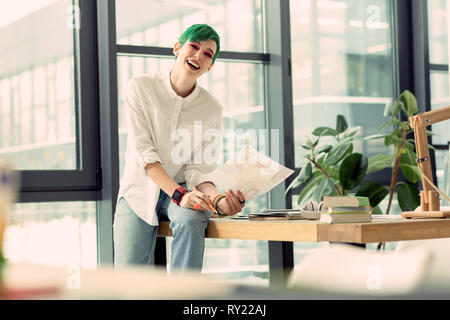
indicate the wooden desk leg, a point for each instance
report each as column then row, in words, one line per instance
column 281, row 262
column 160, row 252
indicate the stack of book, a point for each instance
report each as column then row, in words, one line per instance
column 346, row 209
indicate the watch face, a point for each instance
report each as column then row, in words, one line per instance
column 176, row 195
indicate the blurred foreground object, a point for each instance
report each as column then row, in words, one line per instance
column 348, row 270
column 8, row 190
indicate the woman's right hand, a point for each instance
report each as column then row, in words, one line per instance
column 190, row 199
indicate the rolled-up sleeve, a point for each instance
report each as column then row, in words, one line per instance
column 196, row 174
column 139, row 130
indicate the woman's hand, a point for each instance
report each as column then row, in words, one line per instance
column 232, row 203
column 196, row 200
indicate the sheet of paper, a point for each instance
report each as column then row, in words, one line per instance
column 251, row 172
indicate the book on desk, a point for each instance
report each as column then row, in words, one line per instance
column 345, row 201
column 346, row 209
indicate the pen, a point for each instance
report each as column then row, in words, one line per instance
column 209, row 205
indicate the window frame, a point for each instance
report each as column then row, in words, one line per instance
column 85, row 182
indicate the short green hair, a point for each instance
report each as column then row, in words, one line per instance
column 201, row 32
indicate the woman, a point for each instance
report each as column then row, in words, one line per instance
column 154, row 186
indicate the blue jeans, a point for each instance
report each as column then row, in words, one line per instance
column 134, row 239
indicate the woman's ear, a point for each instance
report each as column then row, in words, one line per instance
column 176, row 48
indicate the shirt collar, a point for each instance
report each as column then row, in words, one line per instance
column 174, row 95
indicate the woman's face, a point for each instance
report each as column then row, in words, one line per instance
column 195, row 58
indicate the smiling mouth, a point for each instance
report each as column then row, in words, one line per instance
column 193, row 65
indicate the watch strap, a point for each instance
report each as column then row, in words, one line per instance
column 178, row 195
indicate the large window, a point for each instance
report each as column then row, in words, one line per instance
column 52, row 233
column 438, row 33
column 238, row 85
column 342, row 63
column 160, row 23
column 47, row 98
column 37, row 94
column 48, row 114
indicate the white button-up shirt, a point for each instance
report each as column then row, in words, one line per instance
column 155, row 113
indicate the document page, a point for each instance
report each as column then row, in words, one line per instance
column 250, row 172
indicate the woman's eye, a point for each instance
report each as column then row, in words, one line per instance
column 208, row 55
column 194, row 46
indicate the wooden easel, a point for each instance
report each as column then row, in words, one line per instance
column 429, row 197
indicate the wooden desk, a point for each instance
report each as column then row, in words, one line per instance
column 311, row 231
column 281, row 235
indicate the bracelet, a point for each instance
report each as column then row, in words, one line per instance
column 216, row 201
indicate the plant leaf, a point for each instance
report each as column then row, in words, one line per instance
column 374, row 191
column 375, row 136
column 309, row 188
column 324, row 131
column 409, row 167
column 409, row 103
column 397, row 106
column 404, row 125
column 386, row 124
column 303, row 176
column 332, row 171
column 325, row 148
column 388, row 108
column 408, row 145
column 411, row 172
column 392, row 139
column 351, row 132
column 314, row 143
column 353, row 170
column 338, row 152
column 341, row 124
column 379, row 162
column 325, row 187
column 377, row 210
column 408, row 196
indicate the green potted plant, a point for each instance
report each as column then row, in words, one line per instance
column 404, row 157
column 334, row 169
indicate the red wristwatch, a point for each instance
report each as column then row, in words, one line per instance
column 178, row 195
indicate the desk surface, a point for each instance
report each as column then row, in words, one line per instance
column 312, row 231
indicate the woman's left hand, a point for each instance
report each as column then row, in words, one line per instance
column 232, row 203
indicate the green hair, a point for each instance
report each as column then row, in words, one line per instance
column 201, row 32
